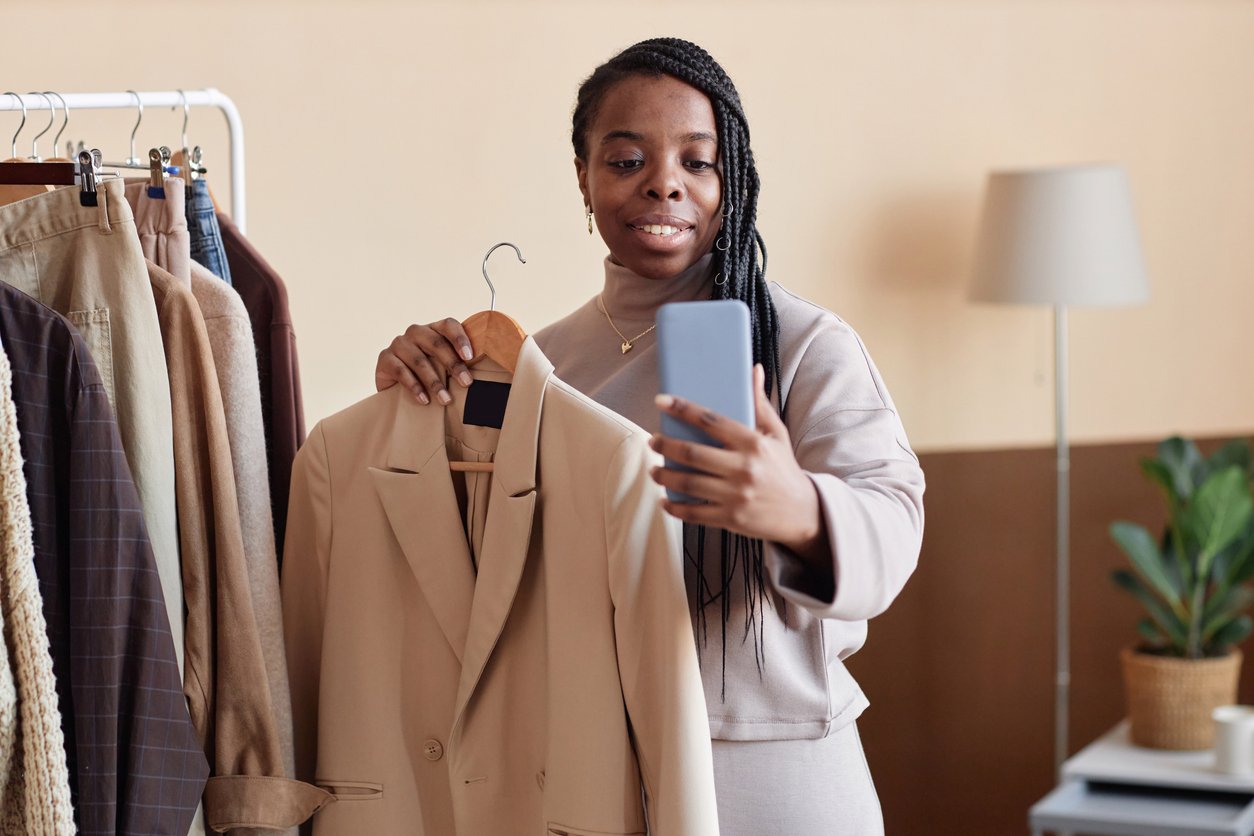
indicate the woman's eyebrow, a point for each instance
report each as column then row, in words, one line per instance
column 629, row 135
column 633, row 136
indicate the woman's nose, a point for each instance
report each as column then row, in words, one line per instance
column 664, row 182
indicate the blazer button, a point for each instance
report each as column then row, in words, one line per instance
column 433, row 749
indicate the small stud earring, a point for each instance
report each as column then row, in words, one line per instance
column 589, row 210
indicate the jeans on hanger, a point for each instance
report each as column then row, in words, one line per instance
column 202, row 223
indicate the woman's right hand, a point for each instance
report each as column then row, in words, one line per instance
column 423, row 358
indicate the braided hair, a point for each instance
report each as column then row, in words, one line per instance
column 740, row 264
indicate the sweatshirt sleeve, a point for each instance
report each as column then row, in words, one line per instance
column 657, row 657
column 848, row 438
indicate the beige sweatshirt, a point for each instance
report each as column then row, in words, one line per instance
column 846, row 434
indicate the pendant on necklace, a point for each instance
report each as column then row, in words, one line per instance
column 626, row 346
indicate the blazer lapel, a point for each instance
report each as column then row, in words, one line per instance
column 416, row 491
column 507, row 533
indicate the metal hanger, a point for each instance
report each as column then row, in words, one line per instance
column 52, row 119
column 159, row 161
column 189, row 160
column 496, row 336
column 65, row 123
column 22, row 104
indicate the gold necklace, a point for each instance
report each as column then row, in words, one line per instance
column 627, row 343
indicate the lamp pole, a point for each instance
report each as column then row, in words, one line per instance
column 1062, row 666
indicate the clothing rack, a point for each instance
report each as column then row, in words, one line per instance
column 209, row 97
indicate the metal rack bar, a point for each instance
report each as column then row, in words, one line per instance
column 209, row 97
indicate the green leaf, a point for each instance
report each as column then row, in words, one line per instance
column 1178, row 563
column 1182, row 460
column 1218, row 514
column 1234, row 632
column 1235, row 452
column 1221, row 609
column 1241, row 567
column 1172, row 626
column 1150, row 632
column 1141, row 549
column 1161, row 475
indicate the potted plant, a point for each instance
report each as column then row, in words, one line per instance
column 1192, row 582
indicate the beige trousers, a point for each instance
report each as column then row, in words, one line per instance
column 768, row 787
column 86, row 263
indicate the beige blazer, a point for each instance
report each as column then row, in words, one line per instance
column 503, row 654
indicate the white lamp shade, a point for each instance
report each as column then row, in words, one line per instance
column 1059, row 236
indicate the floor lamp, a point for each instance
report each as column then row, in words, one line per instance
column 1061, row 237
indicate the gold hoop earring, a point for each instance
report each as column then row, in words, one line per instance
column 589, row 210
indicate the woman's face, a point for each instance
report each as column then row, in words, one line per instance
column 651, row 175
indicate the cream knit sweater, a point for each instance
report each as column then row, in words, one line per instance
column 34, row 781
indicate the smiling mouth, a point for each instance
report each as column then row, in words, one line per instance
column 661, row 230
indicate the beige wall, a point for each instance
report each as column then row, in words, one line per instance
column 389, row 143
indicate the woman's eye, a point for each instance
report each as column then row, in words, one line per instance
column 700, row 165
column 626, row 165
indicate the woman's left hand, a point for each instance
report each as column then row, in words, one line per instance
column 752, row 486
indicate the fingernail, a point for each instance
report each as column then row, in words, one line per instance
column 465, row 378
column 422, row 396
column 444, row 397
column 664, row 401
column 467, row 354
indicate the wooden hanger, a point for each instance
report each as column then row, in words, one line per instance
column 495, row 336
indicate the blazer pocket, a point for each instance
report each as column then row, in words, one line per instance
column 352, row 790
column 556, row 829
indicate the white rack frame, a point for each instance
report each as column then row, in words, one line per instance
column 209, row 97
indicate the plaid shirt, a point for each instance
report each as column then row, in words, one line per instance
column 135, row 763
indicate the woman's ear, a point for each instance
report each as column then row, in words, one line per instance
column 581, row 171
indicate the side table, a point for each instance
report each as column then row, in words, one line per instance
column 1113, row 788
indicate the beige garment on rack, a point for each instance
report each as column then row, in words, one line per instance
column 165, row 239
column 225, row 680
column 86, row 264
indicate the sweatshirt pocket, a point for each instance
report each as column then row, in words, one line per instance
column 352, row 790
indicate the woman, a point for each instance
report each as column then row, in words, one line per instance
column 813, row 519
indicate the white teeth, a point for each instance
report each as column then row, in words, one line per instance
column 660, row 229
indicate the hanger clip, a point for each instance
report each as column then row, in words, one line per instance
column 158, row 161
column 89, row 177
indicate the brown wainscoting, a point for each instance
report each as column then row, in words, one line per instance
column 960, row 671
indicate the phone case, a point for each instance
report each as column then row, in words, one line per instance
column 704, row 356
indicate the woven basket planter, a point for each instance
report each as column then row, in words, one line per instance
column 1170, row 700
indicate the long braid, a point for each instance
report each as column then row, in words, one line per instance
column 739, row 262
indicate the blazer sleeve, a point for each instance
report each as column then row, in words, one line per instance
column 304, row 591
column 849, row 439
column 657, row 658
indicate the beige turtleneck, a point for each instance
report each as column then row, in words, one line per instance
column 847, row 436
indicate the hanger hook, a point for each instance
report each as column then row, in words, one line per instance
column 186, row 116
column 52, row 120
column 491, row 287
column 21, row 104
column 65, row 123
column 139, row 103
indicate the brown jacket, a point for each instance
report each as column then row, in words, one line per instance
column 537, row 693
column 225, row 677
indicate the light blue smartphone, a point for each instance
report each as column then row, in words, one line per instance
column 705, row 357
